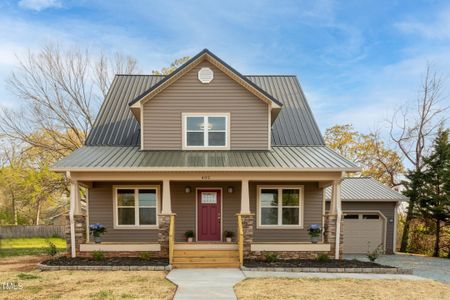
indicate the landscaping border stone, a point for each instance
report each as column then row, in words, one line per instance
column 334, row 270
column 44, row 267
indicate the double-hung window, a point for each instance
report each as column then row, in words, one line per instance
column 206, row 131
column 135, row 207
column 280, row 207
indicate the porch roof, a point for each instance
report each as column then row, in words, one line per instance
column 286, row 158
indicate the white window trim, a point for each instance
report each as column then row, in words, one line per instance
column 227, row 131
column 280, row 188
column 136, row 189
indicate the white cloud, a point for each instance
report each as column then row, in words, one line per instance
column 38, row 5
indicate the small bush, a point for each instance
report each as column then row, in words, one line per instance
column 98, row 255
column 373, row 255
column 189, row 234
column 51, row 249
column 229, row 234
column 145, row 255
column 271, row 257
column 323, row 258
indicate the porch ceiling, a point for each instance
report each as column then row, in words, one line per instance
column 286, row 158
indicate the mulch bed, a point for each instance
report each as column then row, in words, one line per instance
column 312, row 263
column 112, row 261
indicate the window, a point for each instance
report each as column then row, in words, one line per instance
column 206, row 131
column 351, row 217
column 135, row 207
column 280, row 207
column 371, row 217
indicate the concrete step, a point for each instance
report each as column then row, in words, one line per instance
column 187, row 265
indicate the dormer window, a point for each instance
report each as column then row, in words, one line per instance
column 206, row 131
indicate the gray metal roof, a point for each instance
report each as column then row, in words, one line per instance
column 313, row 158
column 116, row 126
column 365, row 189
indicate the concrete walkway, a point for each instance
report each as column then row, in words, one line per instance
column 205, row 283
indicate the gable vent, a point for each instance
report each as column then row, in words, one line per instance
column 205, row 75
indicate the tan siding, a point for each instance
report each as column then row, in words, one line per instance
column 162, row 114
column 312, row 215
column 101, row 211
column 184, row 205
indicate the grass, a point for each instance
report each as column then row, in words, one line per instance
column 81, row 284
column 286, row 288
column 29, row 246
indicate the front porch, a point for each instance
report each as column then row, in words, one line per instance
column 178, row 200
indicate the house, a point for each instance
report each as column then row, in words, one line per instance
column 370, row 214
column 210, row 150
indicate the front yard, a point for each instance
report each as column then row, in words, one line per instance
column 287, row 288
column 79, row 284
column 29, row 246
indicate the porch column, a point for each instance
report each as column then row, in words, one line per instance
column 76, row 218
column 166, row 202
column 334, row 220
column 245, row 198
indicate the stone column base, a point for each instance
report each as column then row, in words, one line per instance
column 80, row 233
column 330, row 234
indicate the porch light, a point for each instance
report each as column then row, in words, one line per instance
column 187, row 189
column 230, row 190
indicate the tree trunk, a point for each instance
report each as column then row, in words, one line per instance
column 437, row 238
column 14, row 208
column 405, row 235
column 38, row 212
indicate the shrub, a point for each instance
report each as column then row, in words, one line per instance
column 271, row 257
column 98, row 255
column 51, row 249
column 373, row 255
column 145, row 255
column 323, row 257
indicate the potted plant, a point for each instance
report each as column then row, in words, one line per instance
column 189, row 236
column 96, row 231
column 314, row 232
column 228, row 236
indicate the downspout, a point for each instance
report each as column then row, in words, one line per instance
column 71, row 216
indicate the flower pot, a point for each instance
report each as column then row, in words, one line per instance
column 97, row 239
column 190, row 240
column 315, row 239
column 228, row 239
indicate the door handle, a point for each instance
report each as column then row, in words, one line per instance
column 218, row 218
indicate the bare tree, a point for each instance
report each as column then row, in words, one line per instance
column 412, row 132
column 61, row 90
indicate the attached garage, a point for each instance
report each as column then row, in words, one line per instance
column 369, row 213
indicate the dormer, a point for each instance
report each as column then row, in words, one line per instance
column 205, row 105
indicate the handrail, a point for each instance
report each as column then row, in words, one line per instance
column 171, row 238
column 240, row 241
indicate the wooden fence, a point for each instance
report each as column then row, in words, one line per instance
column 32, row 231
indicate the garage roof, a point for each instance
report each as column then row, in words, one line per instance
column 365, row 189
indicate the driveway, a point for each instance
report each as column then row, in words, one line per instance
column 428, row 267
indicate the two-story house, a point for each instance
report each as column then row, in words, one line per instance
column 209, row 150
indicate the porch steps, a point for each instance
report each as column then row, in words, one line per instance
column 184, row 259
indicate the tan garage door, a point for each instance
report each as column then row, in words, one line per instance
column 363, row 232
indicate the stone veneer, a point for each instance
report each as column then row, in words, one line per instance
column 330, row 234
column 163, row 234
column 80, row 233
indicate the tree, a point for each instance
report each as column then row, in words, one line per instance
column 173, row 66
column 434, row 201
column 61, row 90
column 411, row 132
column 368, row 150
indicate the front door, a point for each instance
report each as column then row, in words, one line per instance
column 208, row 215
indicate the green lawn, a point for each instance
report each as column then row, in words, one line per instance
column 29, row 246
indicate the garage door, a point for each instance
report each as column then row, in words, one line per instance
column 363, row 232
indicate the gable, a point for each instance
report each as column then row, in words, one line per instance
column 115, row 125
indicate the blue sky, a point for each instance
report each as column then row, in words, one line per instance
column 356, row 60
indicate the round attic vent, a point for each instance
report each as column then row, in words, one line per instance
column 205, row 75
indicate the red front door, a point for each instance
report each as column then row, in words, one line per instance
column 208, row 215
